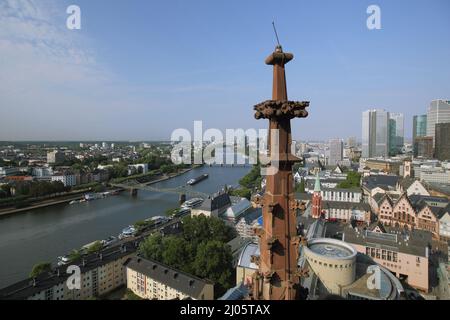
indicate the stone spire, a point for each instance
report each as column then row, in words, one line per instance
column 278, row 274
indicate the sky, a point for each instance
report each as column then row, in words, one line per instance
column 139, row 69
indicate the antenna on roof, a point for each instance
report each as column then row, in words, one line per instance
column 276, row 33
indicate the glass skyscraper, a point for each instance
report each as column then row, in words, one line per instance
column 419, row 126
column 375, row 133
column 396, row 133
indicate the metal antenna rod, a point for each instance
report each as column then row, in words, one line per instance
column 276, row 34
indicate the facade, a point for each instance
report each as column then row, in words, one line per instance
column 388, row 166
column 423, row 147
column 336, row 152
column 345, row 195
column 152, row 280
column 375, row 133
column 396, row 132
column 69, row 180
column 100, row 274
column 438, row 112
column 404, row 254
column 442, row 145
column 346, row 211
column 55, row 157
column 444, row 224
column 405, row 214
column 435, row 176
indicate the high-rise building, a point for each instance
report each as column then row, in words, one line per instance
column 419, row 128
column 375, row 138
column 438, row 112
column 55, row 157
column 336, row 151
column 442, row 141
column 423, row 147
column 396, row 133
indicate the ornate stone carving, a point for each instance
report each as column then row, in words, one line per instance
column 271, row 109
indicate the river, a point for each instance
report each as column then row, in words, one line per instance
column 43, row 234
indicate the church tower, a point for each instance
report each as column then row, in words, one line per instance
column 317, row 200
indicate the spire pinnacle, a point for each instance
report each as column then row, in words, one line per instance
column 317, row 184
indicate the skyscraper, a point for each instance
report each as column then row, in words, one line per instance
column 419, row 129
column 438, row 112
column 396, row 133
column 442, row 144
column 375, row 137
column 336, row 151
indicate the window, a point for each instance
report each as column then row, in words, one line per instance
column 394, row 256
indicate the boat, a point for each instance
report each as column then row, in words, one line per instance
column 198, row 179
column 63, row 260
column 108, row 241
column 128, row 232
column 191, row 203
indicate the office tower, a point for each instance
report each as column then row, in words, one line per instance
column 442, row 141
column 423, row 147
column 375, row 138
column 419, row 128
column 438, row 112
column 336, row 151
column 396, row 133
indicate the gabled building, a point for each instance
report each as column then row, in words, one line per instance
column 214, row 206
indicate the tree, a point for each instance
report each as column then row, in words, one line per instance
column 152, row 247
column 177, row 253
column 95, row 247
column 352, row 181
column 241, row 192
column 214, row 262
column 40, row 268
column 201, row 228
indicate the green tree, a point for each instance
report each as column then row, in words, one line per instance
column 214, row 262
column 152, row 247
column 40, row 268
column 177, row 253
column 95, row 247
column 241, row 192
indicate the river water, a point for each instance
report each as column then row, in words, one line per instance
column 43, row 234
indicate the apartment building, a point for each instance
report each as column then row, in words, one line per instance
column 150, row 279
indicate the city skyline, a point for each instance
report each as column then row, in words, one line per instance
column 115, row 80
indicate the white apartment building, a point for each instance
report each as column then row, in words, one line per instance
column 69, row 180
column 152, row 280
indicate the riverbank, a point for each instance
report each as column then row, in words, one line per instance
column 45, row 203
column 78, row 195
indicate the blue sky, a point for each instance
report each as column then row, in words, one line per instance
column 140, row 69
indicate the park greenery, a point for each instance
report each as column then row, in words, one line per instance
column 200, row 250
column 352, row 181
column 40, row 268
column 249, row 183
